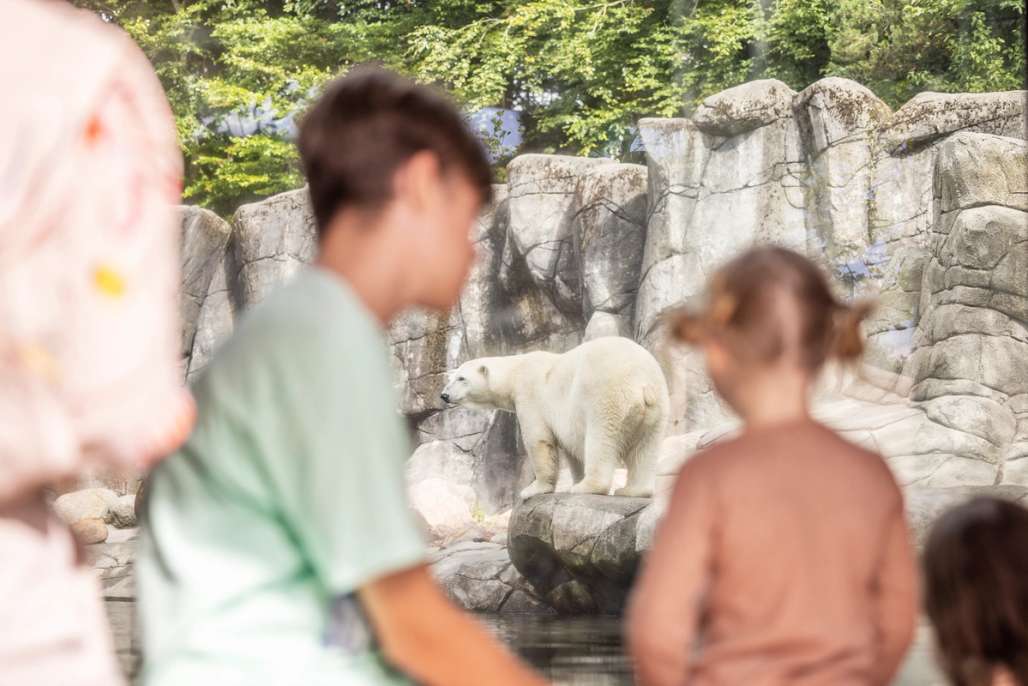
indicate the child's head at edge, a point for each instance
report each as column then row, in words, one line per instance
column 396, row 182
column 976, row 591
column 769, row 325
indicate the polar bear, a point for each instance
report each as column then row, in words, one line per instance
column 600, row 404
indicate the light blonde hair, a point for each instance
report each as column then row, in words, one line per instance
column 771, row 302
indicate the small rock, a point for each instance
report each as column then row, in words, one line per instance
column 496, row 527
column 90, row 530
column 473, row 533
column 744, row 107
column 123, row 513
column 443, row 506
column 89, row 503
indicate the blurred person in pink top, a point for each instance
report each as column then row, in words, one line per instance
column 784, row 557
column 89, row 336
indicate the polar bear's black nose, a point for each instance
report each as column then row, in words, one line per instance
column 445, row 397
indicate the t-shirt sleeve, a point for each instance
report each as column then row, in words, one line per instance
column 343, row 447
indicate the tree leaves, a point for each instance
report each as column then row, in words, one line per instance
column 580, row 72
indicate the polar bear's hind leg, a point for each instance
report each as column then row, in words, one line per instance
column 642, row 455
column 642, row 464
column 601, row 457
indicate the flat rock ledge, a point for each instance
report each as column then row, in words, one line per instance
column 579, row 553
column 479, row 577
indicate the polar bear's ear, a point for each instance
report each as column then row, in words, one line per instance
column 483, row 370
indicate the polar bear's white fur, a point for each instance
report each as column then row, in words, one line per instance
column 597, row 405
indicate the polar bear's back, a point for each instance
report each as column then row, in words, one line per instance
column 613, row 356
column 611, row 364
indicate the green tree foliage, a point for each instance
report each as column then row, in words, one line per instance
column 580, row 72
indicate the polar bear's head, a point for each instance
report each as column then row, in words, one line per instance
column 469, row 386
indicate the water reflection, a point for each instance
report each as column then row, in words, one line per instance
column 579, row 651
column 587, row 651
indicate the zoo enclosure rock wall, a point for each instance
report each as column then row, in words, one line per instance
column 923, row 209
column 580, row 247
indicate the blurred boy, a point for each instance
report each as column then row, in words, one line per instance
column 279, row 547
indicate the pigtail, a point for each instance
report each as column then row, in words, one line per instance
column 847, row 341
column 685, row 326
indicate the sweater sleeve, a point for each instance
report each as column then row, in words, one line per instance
column 895, row 596
column 666, row 606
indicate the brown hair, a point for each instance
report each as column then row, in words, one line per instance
column 368, row 123
column 769, row 302
column 976, row 590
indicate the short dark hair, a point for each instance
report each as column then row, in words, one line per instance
column 976, row 590
column 368, row 123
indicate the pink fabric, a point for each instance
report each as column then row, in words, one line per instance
column 53, row 629
column 89, row 334
column 785, row 551
column 89, row 174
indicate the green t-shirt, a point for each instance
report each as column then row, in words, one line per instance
column 288, row 496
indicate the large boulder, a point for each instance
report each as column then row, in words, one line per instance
column 544, row 199
column 609, row 229
column 902, row 208
column 88, row 503
column 970, row 364
column 204, row 237
column 216, row 319
column 90, row 531
column 838, row 121
column 744, row 107
column 475, row 449
column 979, row 169
column 929, row 116
column 273, row 238
column 480, row 578
column 730, row 178
column 577, row 551
column 480, row 303
column 444, row 506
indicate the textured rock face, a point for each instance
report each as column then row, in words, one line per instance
column 578, row 551
column 731, row 177
column 272, row 240
column 838, row 121
column 924, row 209
column 206, row 311
column 204, row 236
column 970, row 363
column 480, row 577
column 609, row 230
column 902, row 209
column 113, row 562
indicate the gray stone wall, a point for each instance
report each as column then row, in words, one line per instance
column 924, row 209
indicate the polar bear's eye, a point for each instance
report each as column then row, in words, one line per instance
column 460, row 378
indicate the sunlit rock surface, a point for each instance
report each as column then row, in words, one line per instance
column 923, row 209
column 577, row 551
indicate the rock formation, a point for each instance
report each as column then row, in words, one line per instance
column 924, row 209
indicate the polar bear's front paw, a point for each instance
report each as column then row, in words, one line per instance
column 537, row 488
column 634, row 492
column 585, row 486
